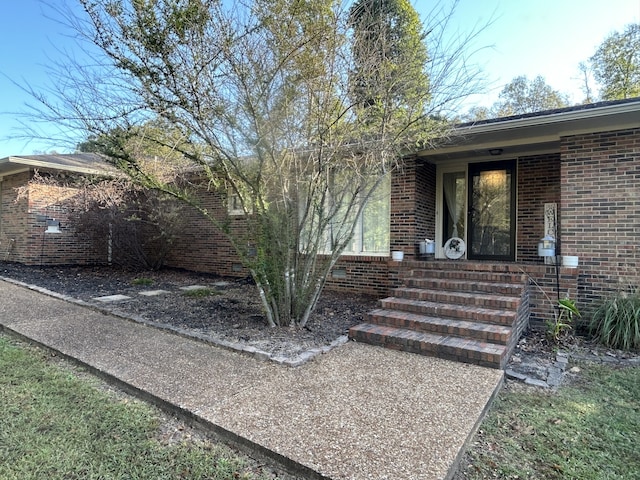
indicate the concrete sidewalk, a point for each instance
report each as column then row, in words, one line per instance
column 358, row 412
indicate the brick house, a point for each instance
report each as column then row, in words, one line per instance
column 499, row 186
column 26, row 219
column 485, row 199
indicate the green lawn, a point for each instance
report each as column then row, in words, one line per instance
column 55, row 425
column 589, row 429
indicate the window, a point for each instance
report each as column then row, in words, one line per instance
column 234, row 204
column 371, row 235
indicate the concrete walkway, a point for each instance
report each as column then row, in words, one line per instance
column 358, row 412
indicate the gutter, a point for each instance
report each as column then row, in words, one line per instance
column 552, row 118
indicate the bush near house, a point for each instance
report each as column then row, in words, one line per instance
column 138, row 230
column 616, row 322
column 134, row 227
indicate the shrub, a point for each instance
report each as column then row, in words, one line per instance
column 137, row 227
column 563, row 318
column 616, row 322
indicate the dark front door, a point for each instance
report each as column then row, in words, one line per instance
column 492, row 212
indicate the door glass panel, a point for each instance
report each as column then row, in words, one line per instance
column 455, row 195
column 491, row 213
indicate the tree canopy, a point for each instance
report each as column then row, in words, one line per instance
column 616, row 64
column 389, row 52
column 261, row 98
column 522, row 96
column 519, row 97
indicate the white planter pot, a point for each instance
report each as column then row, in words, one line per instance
column 569, row 261
column 397, row 256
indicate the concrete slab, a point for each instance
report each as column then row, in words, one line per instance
column 112, row 298
column 154, row 293
column 357, row 412
column 193, row 287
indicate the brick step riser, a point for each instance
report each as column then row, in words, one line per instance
column 431, row 349
column 479, row 300
column 465, row 286
column 468, row 266
column 480, row 334
column 451, row 311
column 471, row 276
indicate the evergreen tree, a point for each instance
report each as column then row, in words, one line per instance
column 390, row 57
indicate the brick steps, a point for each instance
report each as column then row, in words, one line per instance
column 441, row 346
column 468, row 297
column 437, row 309
column 510, row 289
column 464, row 311
column 443, row 326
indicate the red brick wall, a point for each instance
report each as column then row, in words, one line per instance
column 413, row 205
column 403, row 234
column 64, row 248
column 600, row 181
column 538, row 183
column 368, row 275
column 544, row 288
column 24, row 222
column 426, row 202
column 13, row 219
column 203, row 247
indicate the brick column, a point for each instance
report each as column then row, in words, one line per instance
column 412, row 206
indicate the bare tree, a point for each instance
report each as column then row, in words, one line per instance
column 585, row 79
column 262, row 92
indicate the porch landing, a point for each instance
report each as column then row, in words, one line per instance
column 472, row 312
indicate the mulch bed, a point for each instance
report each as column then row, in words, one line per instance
column 231, row 314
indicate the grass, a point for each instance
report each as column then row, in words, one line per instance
column 55, row 425
column 201, row 293
column 143, row 281
column 589, row 429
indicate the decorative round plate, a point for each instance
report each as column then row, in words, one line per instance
column 454, row 248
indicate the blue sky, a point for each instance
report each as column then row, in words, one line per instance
column 527, row 37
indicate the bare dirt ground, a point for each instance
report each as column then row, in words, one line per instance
column 228, row 310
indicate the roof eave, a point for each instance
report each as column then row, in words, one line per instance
column 12, row 165
column 555, row 118
column 536, row 133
